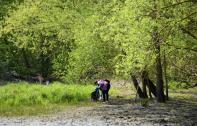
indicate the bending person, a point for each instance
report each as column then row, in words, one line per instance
column 103, row 87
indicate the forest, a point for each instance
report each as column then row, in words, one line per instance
column 48, row 47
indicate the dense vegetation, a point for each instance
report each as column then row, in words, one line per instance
column 24, row 98
column 80, row 40
column 26, row 94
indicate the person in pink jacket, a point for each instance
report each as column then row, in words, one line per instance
column 104, row 88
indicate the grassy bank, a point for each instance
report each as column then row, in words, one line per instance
column 31, row 99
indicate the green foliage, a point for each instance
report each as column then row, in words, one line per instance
column 44, row 30
column 179, row 85
column 23, row 94
column 138, row 47
column 93, row 56
column 82, row 40
column 24, row 98
column 7, row 5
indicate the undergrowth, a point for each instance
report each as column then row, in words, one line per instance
column 30, row 99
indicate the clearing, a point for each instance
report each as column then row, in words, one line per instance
column 121, row 110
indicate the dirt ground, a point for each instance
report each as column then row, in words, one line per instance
column 119, row 111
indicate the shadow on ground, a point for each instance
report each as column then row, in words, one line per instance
column 176, row 112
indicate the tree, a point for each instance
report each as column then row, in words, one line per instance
column 95, row 51
column 151, row 27
column 82, row 40
column 44, row 31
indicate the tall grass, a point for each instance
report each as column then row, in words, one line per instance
column 26, row 94
column 22, row 96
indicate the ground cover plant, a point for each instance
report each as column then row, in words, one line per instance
column 24, row 98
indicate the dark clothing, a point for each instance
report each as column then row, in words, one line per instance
column 108, row 84
column 95, row 94
column 107, row 92
column 105, row 95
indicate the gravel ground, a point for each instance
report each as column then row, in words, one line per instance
column 117, row 112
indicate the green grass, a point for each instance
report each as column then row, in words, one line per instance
column 179, row 85
column 32, row 99
column 185, row 94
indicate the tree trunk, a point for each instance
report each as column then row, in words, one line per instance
column 137, row 87
column 156, row 41
column 152, row 87
column 149, row 83
column 165, row 76
column 45, row 65
column 149, row 93
column 159, row 77
column 144, row 83
column 160, row 94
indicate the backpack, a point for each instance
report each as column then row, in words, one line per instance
column 108, row 84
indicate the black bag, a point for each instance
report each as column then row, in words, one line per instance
column 95, row 96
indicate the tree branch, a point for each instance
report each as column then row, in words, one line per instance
column 184, row 71
column 188, row 32
column 170, row 30
column 172, row 5
column 195, row 12
column 176, row 47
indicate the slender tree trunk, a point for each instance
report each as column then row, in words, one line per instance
column 137, row 87
column 159, row 77
column 149, row 84
column 149, row 93
column 152, row 87
column 165, row 76
column 144, row 90
column 43, row 71
column 144, row 83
